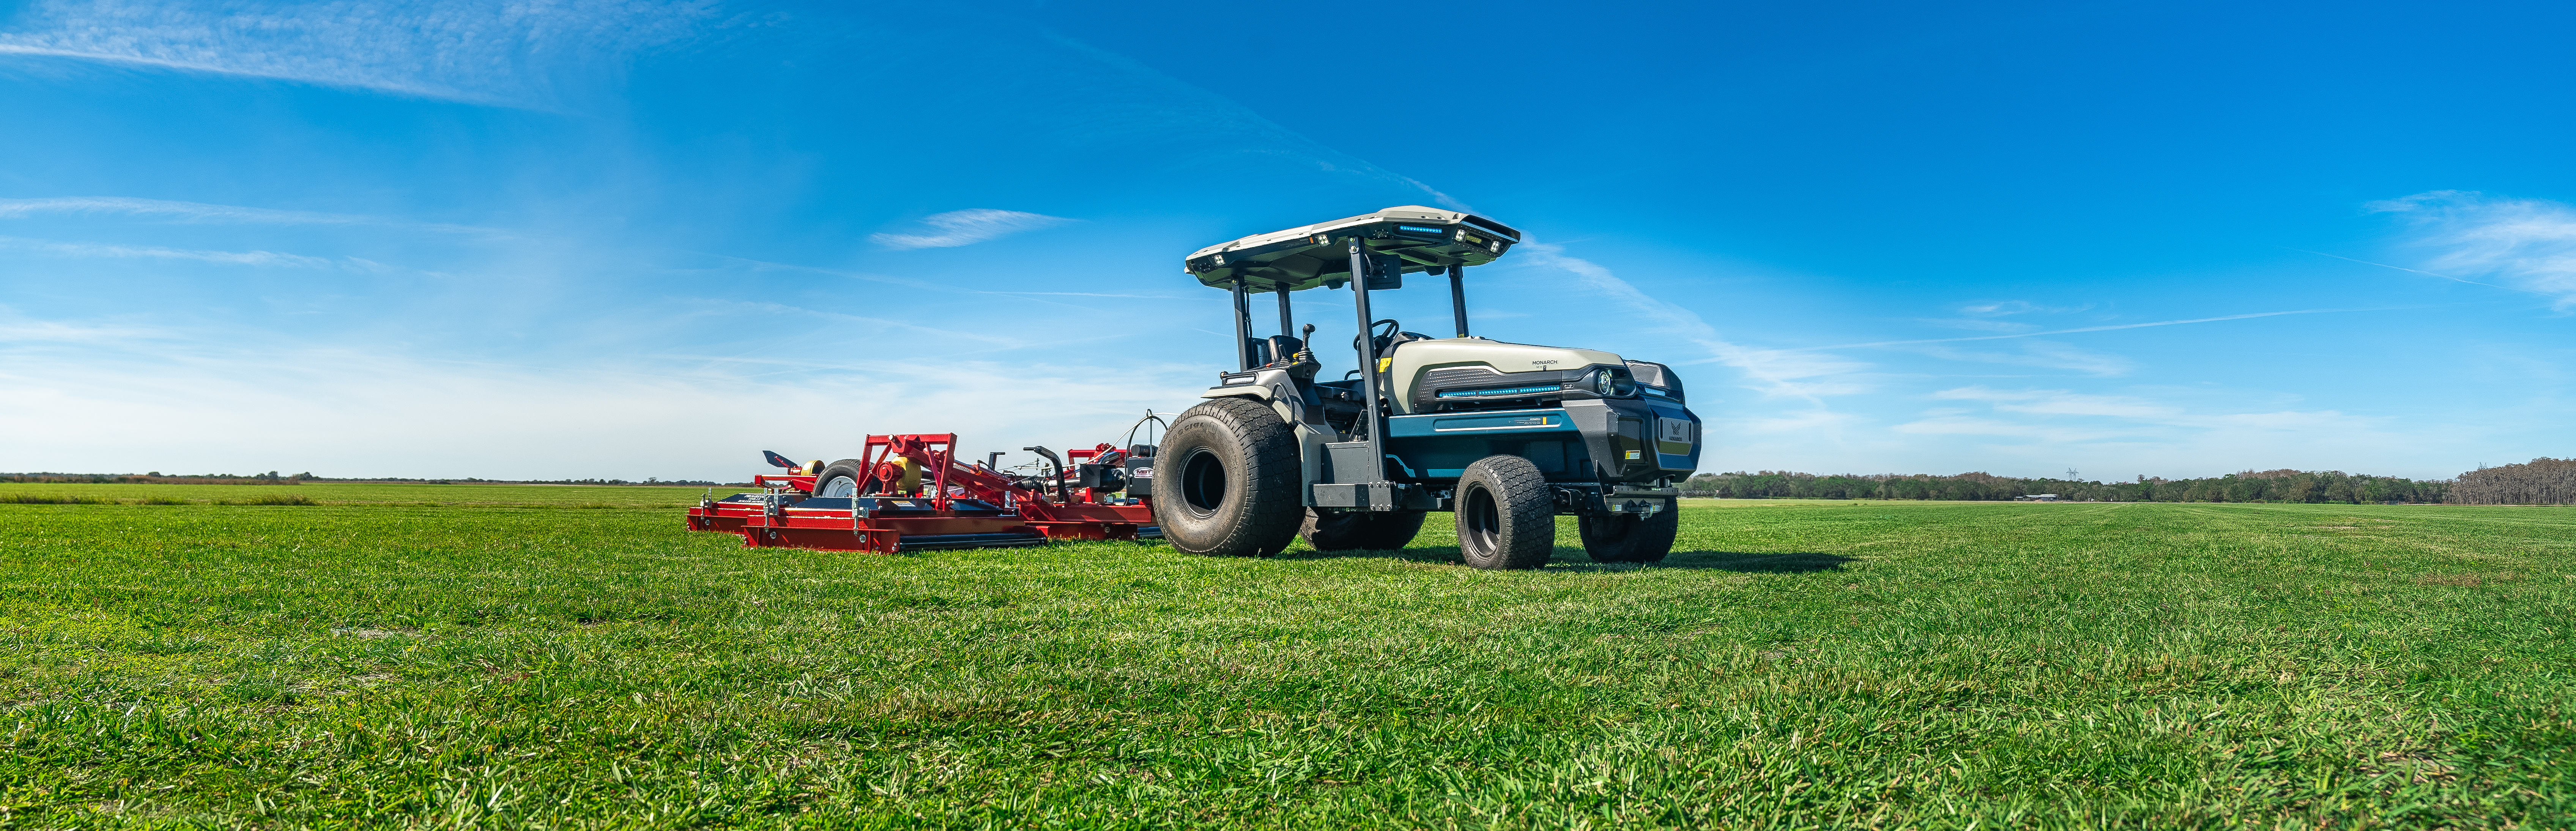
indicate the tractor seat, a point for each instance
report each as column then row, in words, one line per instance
column 1289, row 353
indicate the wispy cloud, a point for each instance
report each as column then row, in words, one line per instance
column 17, row 328
column 482, row 51
column 2139, row 413
column 968, row 227
column 85, row 249
column 2004, row 308
column 86, row 395
column 2047, row 354
column 1163, row 106
column 2526, row 244
column 1086, row 294
column 1988, row 316
column 1774, row 371
column 2060, row 402
column 1973, row 324
column 2039, row 429
column 2108, row 328
column 202, row 212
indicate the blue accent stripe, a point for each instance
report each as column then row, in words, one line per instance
column 1500, row 391
column 1503, row 422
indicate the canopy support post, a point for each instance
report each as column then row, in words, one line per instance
column 1458, row 295
column 1287, row 321
column 1242, row 328
column 1368, row 369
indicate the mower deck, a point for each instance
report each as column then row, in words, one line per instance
column 960, row 506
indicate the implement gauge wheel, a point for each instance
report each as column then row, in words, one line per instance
column 1360, row 530
column 1624, row 538
column 841, row 478
column 1506, row 516
column 1226, row 481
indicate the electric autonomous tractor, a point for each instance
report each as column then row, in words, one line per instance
column 1505, row 436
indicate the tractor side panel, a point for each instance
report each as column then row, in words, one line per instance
column 1440, row 446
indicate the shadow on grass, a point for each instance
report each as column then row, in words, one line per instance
column 1795, row 562
column 1791, row 562
column 1440, row 554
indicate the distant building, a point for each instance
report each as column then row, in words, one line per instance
column 2036, row 497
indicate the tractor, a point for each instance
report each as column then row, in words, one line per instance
column 1504, row 436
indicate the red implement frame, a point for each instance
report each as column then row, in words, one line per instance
column 953, row 505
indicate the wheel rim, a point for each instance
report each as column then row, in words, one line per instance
column 1484, row 521
column 837, row 486
column 1203, row 483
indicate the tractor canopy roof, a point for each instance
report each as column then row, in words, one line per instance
column 1311, row 256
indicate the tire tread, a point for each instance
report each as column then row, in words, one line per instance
column 1526, row 511
column 1271, row 509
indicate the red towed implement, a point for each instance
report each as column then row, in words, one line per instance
column 910, row 492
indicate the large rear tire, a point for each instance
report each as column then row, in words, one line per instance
column 1226, row 481
column 1506, row 516
column 1624, row 538
column 1360, row 530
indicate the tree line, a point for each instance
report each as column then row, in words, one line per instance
column 2541, row 481
column 2248, row 486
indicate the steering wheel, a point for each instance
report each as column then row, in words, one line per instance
column 1377, row 342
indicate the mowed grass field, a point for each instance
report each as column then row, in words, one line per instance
column 1793, row 665
column 338, row 493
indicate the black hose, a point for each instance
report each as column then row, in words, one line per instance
column 1058, row 476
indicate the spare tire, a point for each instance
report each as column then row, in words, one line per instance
column 841, row 478
column 1226, row 480
column 1360, row 530
column 1625, row 538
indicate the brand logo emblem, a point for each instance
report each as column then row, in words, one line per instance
column 1144, row 473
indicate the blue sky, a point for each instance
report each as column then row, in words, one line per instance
column 592, row 238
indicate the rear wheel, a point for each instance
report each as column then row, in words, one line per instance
column 841, row 478
column 1627, row 538
column 1228, row 481
column 1360, row 530
column 1506, row 517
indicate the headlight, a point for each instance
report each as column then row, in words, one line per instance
column 1612, row 382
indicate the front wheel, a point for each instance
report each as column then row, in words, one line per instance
column 1506, row 516
column 1628, row 538
column 1226, row 483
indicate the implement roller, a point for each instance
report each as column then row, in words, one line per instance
column 910, row 492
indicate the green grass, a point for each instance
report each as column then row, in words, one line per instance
column 533, row 496
column 1795, row 665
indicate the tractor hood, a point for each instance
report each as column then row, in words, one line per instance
column 1305, row 257
column 1426, row 367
